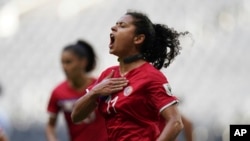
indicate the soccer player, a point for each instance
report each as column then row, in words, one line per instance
column 77, row 61
column 133, row 95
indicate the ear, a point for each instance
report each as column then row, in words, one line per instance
column 139, row 39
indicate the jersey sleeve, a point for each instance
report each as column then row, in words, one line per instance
column 160, row 94
column 53, row 107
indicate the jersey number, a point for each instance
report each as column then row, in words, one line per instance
column 111, row 104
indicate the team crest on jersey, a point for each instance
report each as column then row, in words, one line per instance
column 128, row 90
column 90, row 118
column 168, row 89
column 67, row 105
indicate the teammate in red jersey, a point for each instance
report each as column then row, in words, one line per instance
column 134, row 95
column 77, row 60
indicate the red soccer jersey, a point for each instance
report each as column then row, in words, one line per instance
column 133, row 113
column 92, row 128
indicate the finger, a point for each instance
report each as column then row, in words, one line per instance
column 119, row 86
column 120, row 79
column 118, row 82
column 116, row 89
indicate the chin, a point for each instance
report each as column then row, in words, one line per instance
column 111, row 51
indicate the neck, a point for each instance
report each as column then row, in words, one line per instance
column 132, row 58
column 126, row 67
column 79, row 82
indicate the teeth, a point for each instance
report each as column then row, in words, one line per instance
column 111, row 35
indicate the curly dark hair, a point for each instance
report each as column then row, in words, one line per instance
column 83, row 49
column 161, row 44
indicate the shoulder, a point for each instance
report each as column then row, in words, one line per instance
column 111, row 68
column 153, row 74
column 92, row 80
column 60, row 86
column 108, row 70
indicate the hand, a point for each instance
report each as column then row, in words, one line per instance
column 110, row 85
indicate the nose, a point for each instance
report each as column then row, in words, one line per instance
column 114, row 28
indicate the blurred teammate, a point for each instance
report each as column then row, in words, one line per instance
column 77, row 61
column 133, row 95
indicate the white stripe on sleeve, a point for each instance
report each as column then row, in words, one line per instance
column 169, row 104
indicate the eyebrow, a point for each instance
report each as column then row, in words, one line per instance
column 119, row 23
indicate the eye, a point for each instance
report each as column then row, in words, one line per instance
column 66, row 62
column 121, row 24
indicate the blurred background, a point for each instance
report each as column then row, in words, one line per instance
column 211, row 75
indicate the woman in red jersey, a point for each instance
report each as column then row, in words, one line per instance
column 77, row 61
column 135, row 94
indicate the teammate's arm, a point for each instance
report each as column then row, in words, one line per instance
column 51, row 129
column 173, row 125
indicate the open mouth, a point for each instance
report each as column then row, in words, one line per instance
column 112, row 39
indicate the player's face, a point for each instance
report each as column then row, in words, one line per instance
column 72, row 65
column 122, row 37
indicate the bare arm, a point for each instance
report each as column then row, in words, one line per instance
column 87, row 103
column 174, row 124
column 51, row 129
column 188, row 129
column 84, row 106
